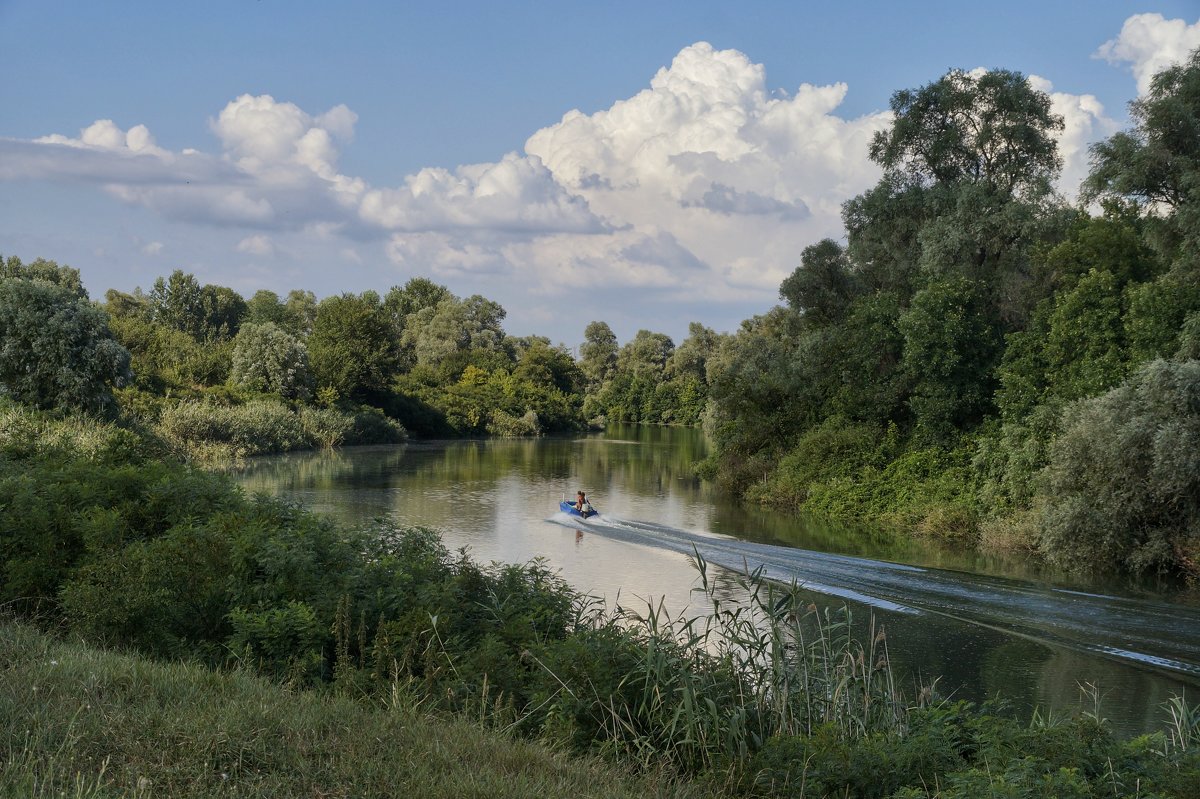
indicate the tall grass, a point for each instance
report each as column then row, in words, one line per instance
column 212, row 432
column 90, row 724
column 705, row 692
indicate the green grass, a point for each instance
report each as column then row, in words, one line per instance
column 81, row 722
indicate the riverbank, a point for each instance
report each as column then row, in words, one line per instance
column 130, row 549
column 91, row 724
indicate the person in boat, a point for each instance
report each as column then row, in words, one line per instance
column 581, row 503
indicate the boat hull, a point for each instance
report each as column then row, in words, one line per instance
column 569, row 508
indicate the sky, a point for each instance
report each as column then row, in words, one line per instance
column 644, row 164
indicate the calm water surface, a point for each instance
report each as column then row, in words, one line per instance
column 982, row 626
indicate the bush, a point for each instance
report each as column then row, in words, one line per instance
column 833, row 451
column 505, row 425
column 268, row 359
column 1122, row 491
column 373, row 426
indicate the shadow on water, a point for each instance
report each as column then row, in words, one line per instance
column 983, row 626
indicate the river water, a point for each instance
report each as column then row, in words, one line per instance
column 983, row 627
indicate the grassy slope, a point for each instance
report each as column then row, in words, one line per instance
column 82, row 722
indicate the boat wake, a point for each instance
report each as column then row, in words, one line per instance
column 1152, row 634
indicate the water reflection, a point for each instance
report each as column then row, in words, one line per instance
column 495, row 498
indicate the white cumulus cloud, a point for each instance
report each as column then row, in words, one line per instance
column 516, row 194
column 1084, row 122
column 1149, row 43
column 739, row 176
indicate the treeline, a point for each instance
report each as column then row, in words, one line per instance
column 219, row 374
column 110, row 538
column 981, row 359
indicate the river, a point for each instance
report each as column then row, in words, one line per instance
column 984, row 627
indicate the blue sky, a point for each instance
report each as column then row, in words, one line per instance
column 333, row 144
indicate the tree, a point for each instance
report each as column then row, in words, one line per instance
column 268, row 359
column 265, row 306
column 302, row 311
column 823, row 286
column 690, row 358
column 949, row 351
column 598, row 354
column 400, row 303
column 1085, row 343
column 223, row 310
column 41, row 269
column 417, row 293
column 351, row 349
column 992, row 129
column 543, row 365
column 56, row 350
column 646, row 353
column 453, row 326
column 1158, row 162
column 205, row 313
column 178, row 302
column 119, row 305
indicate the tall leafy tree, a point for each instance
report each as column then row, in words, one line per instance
column 690, row 359
column 302, row 311
column 823, row 286
column 991, row 129
column 454, row 327
column 950, row 348
column 351, row 348
column 265, row 306
column 647, row 353
column 203, row 312
column 42, row 269
column 178, row 302
column 56, row 350
column 598, row 353
column 1157, row 163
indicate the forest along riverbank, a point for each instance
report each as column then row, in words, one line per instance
column 1029, row 637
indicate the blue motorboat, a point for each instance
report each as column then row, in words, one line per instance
column 570, row 509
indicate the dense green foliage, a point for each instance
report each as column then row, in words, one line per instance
column 435, row 364
column 649, row 379
column 1125, row 474
column 957, row 363
column 56, row 349
column 109, row 539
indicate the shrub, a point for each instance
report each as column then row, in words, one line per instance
column 1122, row 490
column 373, row 426
column 326, row 427
column 268, row 359
column 506, row 425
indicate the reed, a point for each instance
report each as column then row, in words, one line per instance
column 706, row 692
